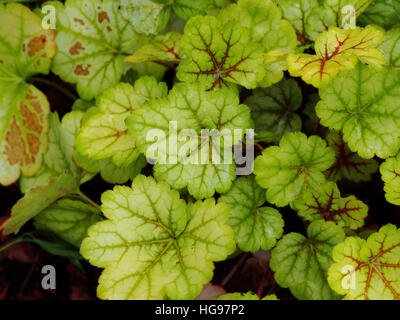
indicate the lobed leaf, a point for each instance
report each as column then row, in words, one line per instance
column 273, row 109
column 337, row 50
column 38, row 199
column 26, row 49
column 58, row 159
column 301, row 263
column 363, row 105
column 218, row 53
column 287, row 170
column 256, row 226
column 68, row 219
column 348, row 165
column 193, row 154
column 105, row 134
column 164, row 47
column 382, row 13
column 153, row 243
column 368, row 269
column 326, row 203
column 92, row 38
column 391, row 48
column 263, row 20
column 390, row 171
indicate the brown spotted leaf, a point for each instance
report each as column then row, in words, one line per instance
column 25, row 49
column 92, row 39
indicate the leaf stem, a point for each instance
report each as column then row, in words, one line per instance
column 165, row 64
column 86, row 198
column 55, row 86
column 234, row 269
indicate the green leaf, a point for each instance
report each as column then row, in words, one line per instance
column 256, row 226
column 390, row 171
column 382, row 13
column 92, row 38
column 337, row 50
column 363, row 105
column 287, row 170
column 326, row 203
column 263, row 19
column 165, row 47
column 301, row 263
column 82, row 105
column 146, row 16
column 368, row 269
column 391, row 48
column 68, row 219
column 245, row 296
column 153, row 243
column 273, row 109
column 215, row 6
column 38, row 199
column 197, row 154
column 108, row 170
column 105, row 134
column 25, row 50
column 311, row 123
column 298, row 13
column 186, row 9
column 333, row 13
column 58, row 158
column 348, row 165
column 218, row 53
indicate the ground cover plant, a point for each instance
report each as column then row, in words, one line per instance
column 208, row 149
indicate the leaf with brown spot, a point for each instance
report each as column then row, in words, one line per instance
column 25, row 49
column 92, row 39
column 58, row 157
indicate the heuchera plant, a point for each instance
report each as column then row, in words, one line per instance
column 165, row 97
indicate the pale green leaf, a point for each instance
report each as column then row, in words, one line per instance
column 26, row 49
column 218, row 53
column 153, row 243
column 58, row 158
column 363, row 104
column 105, row 134
column 38, row 199
column 391, row 47
column 92, row 38
column 197, row 154
column 368, row 269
